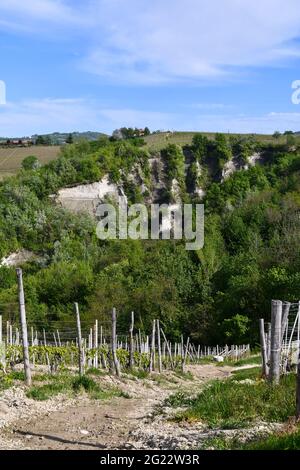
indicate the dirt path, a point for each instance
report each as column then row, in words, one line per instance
column 119, row 423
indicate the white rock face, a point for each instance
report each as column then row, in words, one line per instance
column 254, row 158
column 167, row 219
column 176, row 191
column 200, row 192
column 17, row 258
column 229, row 169
column 87, row 197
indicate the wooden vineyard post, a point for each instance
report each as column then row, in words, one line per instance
column 80, row 345
column 168, row 348
column 298, row 389
column 268, row 342
column 24, row 328
column 44, row 335
column 58, row 338
column 263, row 346
column 185, row 354
column 113, row 342
column 182, row 351
column 131, row 359
column 96, row 344
column 152, row 354
column 159, row 347
column 275, row 341
column 284, row 322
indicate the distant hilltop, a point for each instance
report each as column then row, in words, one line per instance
column 56, row 138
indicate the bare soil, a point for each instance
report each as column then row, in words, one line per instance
column 63, row 423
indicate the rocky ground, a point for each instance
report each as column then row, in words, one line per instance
column 118, row 423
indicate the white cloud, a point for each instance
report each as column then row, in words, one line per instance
column 40, row 16
column 210, row 106
column 158, row 41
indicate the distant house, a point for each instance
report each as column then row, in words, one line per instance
column 17, row 143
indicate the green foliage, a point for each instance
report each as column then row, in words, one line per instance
column 31, row 163
column 236, row 329
column 251, row 252
column 233, row 403
column 174, row 158
column 84, row 383
column 280, row 441
column 44, row 392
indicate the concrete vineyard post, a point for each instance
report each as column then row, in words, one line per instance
column 185, row 354
column 284, row 323
column 152, row 354
column 275, row 341
column 24, row 328
column 298, row 389
column 80, row 345
column 263, row 347
column 159, row 347
column 131, row 359
column 114, row 342
column 96, row 344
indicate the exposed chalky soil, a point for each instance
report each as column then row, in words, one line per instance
column 118, row 423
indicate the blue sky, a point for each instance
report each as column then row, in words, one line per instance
column 218, row 65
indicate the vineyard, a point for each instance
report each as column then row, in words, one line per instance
column 11, row 158
column 100, row 346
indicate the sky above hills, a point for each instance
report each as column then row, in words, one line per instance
column 218, row 65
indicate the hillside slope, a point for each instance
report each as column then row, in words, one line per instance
column 215, row 295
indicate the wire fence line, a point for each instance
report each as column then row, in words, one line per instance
column 83, row 345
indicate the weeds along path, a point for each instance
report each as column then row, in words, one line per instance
column 83, row 423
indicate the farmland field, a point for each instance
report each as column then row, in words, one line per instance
column 11, row 158
column 156, row 142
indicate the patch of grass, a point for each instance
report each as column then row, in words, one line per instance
column 207, row 360
column 5, row 382
column 84, row 383
column 229, row 404
column 97, row 372
column 219, row 443
column 159, row 378
column 43, row 378
column 277, row 441
column 184, row 375
column 248, row 361
column 177, row 400
column 46, row 391
column 94, row 391
column 253, row 374
column 139, row 373
column 283, row 441
column 17, row 375
column 99, row 394
column 64, row 383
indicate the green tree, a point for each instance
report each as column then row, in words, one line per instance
column 276, row 135
column 31, row 163
column 70, row 139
